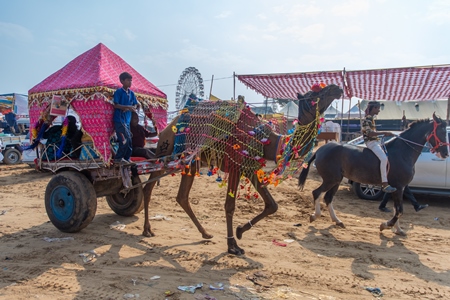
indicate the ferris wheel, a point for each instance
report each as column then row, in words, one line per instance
column 190, row 83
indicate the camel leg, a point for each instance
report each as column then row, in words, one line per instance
column 270, row 207
column 329, row 201
column 183, row 200
column 148, row 188
column 230, row 205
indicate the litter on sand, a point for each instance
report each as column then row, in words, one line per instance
column 89, row 256
column 218, row 286
column 50, row 240
column 117, row 225
column 190, row 288
column 276, row 243
column 159, row 218
column 375, row 291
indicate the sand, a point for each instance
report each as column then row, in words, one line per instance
column 319, row 261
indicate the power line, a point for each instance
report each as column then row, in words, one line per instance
column 173, row 84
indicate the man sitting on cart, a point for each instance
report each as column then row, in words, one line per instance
column 138, row 141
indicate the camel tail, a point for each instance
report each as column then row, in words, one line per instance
column 304, row 173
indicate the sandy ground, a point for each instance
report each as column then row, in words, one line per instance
column 320, row 260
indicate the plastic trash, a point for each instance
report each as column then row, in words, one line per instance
column 159, row 218
column 50, row 240
column 218, row 286
column 375, row 291
column 117, row 225
column 155, row 277
column 190, row 288
column 276, row 243
column 288, row 241
column 89, row 256
column 130, row 296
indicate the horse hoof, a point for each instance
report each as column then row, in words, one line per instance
column 312, row 218
column 207, row 236
column 239, row 232
column 340, row 224
column 383, row 226
column 148, row 233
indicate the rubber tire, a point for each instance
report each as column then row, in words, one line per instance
column 80, row 201
column 15, row 159
column 129, row 205
column 367, row 192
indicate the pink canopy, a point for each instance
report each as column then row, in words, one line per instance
column 97, row 67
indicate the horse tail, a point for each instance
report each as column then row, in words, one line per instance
column 304, row 173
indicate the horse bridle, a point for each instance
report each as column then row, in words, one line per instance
column 434, row 148
column 438, row 141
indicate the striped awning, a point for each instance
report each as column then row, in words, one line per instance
column 397, row 84
column 287, row 85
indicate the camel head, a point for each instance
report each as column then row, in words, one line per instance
column 319, row 99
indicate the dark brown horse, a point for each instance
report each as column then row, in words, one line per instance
column 309, row 104
column 335, row 161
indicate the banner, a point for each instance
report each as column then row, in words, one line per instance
column 59, row 106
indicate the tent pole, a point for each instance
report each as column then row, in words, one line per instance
column 448, row 109
column 210, row 89
column 342, row 115
column 360, row 117
column 234, row 85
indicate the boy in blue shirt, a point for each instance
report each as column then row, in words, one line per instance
column 124, row 103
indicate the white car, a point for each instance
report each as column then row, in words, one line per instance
column 432, row 175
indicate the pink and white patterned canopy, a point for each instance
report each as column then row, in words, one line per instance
column 97, row 67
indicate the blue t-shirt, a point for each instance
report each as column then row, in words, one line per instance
column 123, row 98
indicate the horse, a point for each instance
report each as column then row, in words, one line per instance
column 335, row 161
column 308, row 105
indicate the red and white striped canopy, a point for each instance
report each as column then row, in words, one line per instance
column 398, row 84
column 287, row 85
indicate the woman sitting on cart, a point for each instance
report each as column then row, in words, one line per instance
column 54, row 140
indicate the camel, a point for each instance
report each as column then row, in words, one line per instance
column 309, row 105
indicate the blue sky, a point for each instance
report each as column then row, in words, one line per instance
column 162, row 38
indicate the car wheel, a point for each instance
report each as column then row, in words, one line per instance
column 12, row 156
column 367, row 191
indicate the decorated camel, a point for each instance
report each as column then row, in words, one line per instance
column 229, row 138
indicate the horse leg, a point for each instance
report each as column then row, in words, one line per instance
column 329, row 201
column 398, row 211
column 230, row 205
column 183, row 200
column 270, row 207
column 148, row 188
column 317, row 193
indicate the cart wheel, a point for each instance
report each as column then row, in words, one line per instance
column 70, row 201
column 131, row 204
column 12, row 156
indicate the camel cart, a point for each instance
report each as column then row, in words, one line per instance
column 84, row 89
